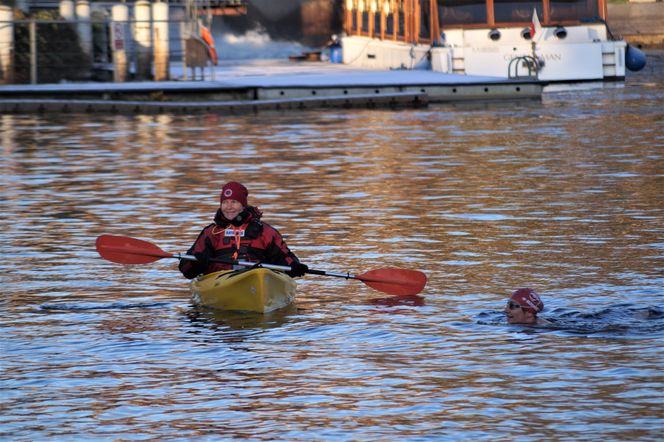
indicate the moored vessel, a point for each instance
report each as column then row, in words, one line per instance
column 548, row 40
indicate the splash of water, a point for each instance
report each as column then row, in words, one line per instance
column 256, row 44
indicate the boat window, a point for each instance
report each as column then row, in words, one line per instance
column 402, row 24
column 377, row 23
column 389, row 24
column 516, row 11
column 461, row 12
column 353, row 20
column 562, row 10
column 425, row 20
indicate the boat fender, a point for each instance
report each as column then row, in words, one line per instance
column 206, row 35
column 635, row 59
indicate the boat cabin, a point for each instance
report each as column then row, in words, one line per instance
column 422, row 21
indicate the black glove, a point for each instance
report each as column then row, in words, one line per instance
column 191, row 269
column 297, row 269
column 203, row 258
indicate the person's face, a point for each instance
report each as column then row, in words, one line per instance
column 517, row 315
column 231, row 208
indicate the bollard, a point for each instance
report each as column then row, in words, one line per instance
column 6, row 44
column 66, row 9
column 84, row 27
column 143, row 39
column 160, row 38
column 119, row 41
column 32, row 33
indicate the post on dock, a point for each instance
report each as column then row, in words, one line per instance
column 6, row 44
column 143, row 39
column 84, row 27
column 66, row 10
column 32, row 36
column 160, row 38
column 119, row 41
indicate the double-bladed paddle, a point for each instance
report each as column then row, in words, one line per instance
column 126, row 250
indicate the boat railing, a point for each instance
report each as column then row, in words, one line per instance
column 529, row 62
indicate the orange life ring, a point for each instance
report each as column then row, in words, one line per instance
column 206, row 35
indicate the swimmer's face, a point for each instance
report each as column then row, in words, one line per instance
column 515, row 314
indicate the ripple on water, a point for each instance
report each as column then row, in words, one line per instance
column 483, row 199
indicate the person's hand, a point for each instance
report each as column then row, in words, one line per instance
column 203, row 258
column 297, row 269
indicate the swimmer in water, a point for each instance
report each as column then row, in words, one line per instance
column 523, row 307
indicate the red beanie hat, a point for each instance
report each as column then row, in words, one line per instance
column 528, row 299
column 234, row 191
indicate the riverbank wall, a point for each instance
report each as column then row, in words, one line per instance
column 639, row 24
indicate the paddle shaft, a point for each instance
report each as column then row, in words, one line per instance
column 162, row 254
column 268, row 266
column 126, row 250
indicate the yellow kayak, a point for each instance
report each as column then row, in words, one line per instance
column 256, row 290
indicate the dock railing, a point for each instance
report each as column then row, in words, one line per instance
column 47, row 48
column 48, row 51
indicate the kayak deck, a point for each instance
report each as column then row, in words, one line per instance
column 256, row 290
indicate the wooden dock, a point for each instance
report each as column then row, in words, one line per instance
column 261, row 85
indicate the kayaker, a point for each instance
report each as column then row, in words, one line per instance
column 238, row 234
column 523, row 306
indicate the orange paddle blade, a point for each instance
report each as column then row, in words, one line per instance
column 126, row 250
column 395, row 281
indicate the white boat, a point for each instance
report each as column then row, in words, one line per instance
column 548, row 40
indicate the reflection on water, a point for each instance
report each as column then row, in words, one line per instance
column 394, row 301
column 563, row 196
column 225, row 320
column 97, row 306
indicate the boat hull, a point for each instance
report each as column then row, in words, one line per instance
column 585, row 54
column 255, row 290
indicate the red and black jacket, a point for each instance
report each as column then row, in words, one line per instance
column 245, row 237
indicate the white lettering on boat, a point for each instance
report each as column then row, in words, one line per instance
column 485, row 49
column 546, row 57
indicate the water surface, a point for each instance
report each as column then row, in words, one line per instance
column 562, row 195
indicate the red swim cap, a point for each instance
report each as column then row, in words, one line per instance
column 528, row 299
column 234, row 191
